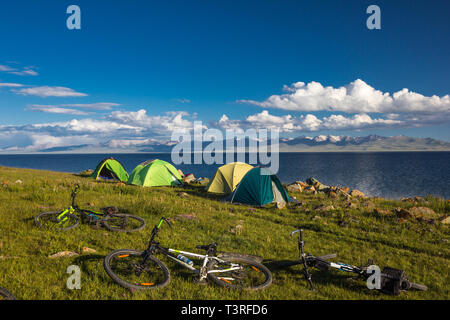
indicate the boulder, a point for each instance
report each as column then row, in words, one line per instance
column 310, row 189
column 357, row 193
column 446, row 220
column 63, row 254
column 403, row 213
column 423, row 213
column 301, row 183
column 294, row 187
column 188, row 178
column 88, row 250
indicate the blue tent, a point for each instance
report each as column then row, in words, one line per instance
column 259, row 187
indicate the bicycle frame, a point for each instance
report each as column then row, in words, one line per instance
column 73, row 208
column 154, row 247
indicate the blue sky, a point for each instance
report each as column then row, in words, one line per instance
column 138, row 69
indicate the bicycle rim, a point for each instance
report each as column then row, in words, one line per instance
column 121, row 222
column 127, row 268
column 251, row 274
column 56, row 221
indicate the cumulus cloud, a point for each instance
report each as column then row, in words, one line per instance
column 307, row 122
column 119, row 129
column 356, row 97
column 47, row 91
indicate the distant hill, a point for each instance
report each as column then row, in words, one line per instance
column 331, row 143
column 321, row 143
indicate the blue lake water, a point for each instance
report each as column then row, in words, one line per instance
column 384, row 174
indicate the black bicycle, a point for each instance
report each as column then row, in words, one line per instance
column 139, row 270
column 392, row 281
column 68, row 219
column 6, row 295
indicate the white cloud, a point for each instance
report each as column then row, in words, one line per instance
column 27, row 71
column 305, row 123
column 93, row 106
column 56, row 109
column 47, row 91
column 10, row 85
column 356, row 97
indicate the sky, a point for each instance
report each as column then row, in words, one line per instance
column 137, row 70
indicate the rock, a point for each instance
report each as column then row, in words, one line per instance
column 182, row 194
column 302, row 184
column 310, row 189
column 419, row 199
column 188, row 178
column 357, row 194
column 90, row 204
column 403, row 213
column 423, row 213
column 88, row 250
column 317, row 218
column 191, row 216
column 237, row 229
column 381, row 212
column 446, row 220
column 324, row 208
column 294, row 187
column 407, row 199
column 346, row 189
column 63, row 254
column 332, row 194
column 18, row 182
column 400, row 220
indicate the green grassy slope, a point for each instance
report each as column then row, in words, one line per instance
column 355, row 234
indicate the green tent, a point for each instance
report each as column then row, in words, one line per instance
column 155, row 173
column 110, row 169
column 259, row 187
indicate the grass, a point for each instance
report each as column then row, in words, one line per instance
column 356, row 234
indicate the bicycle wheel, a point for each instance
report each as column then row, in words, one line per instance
column 252, row 275
column 128, row 269
column 121, row 222
column 6, row 295
column 53, row 220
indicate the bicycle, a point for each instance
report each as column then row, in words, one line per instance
column 392, row 281
column 137, row 270
column 68, row 219
column 6, row 295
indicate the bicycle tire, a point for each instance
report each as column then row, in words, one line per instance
column 256, row 266
column 6, row 295
column 418, row 286
column 51, row 216
column 151, row 260
column 111, row 220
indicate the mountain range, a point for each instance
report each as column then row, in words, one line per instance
column 321, row 143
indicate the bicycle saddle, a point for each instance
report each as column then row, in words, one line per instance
column 207, row 246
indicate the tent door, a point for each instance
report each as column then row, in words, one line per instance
column 277, row 196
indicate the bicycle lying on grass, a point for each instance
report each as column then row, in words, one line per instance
column 139, row 270
column 6, row 295
column 392, row 281
column 68, row 219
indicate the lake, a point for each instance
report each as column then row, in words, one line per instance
column 386, row 174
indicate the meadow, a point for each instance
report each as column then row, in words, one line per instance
column 356, row 233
